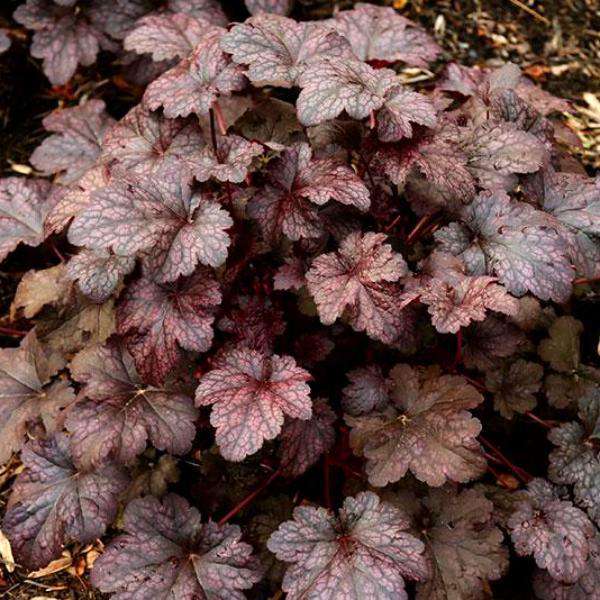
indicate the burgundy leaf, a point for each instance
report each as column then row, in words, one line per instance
column 363, row 552
column 158, row 215
column 295, row 178
column 183, row 558
column 368, row 390
column 98, row 273
column 250, row 393
column 24, row 205
column 514, row 242
column 304, row 441
column 167, row 36
column 159, row 319
column 145, row 143
column 277, row 50
column 380, row 33
column 195, row 83
column 254, row 322
column 119, row 413
column 557, row 534
column 28, row 395
column 230, row 163
column 54, row 502
column 514, row 387
column 426, row 428
column 75, row 145
column 358, row 281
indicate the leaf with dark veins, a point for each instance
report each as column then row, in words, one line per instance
column 118, row 414
column 403, row 107
column 27, row 395
column 276, row 7
column 277, row 50
column 362, row 552
column 209, row 10
column 75, row 144
column 230, row 163
column 575, row 201
column 158, row 215
column 146, row 143
column 250, row 393
column 359, row 281
column 381, row 33
column 54, row 502
column 24, row 204
column 330, row 86
column 558, row 534
column 368, row 390
column 159, row 320
column 513, row 242
column 98, row 272
column 196, row 83
column 167, row 35
column 293, row 179
column 183, row 558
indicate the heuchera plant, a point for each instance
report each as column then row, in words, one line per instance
column 306, row 295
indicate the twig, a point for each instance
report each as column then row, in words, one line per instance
column 250, row 497
column 531, row 11
column 523, row 475
column 213, row 133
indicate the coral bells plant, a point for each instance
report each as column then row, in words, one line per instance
column 296, row 326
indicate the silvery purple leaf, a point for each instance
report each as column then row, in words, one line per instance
column 117, row 413
column 362, row 552
column 209, row 10
column 183, row 558
column 277, row 50
column 75, row 144
column 380, row 33
column 230, row 163
column 276, row 7
column 98, row 272
column 197, row 82
column 250, row 393
column 54, row 502
column 24, row 205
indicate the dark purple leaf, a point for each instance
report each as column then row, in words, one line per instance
column 54, row 502
column 304, row 441
column 183, row 558
column 159, row 319
column 368, row 390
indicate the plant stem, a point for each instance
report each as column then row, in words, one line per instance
column 250, row 497
column 459, row 345
column 523, row 475
column 417, row 228
column 213, row 133
column 12, row 332
column 326, row 482
column 537, row 419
